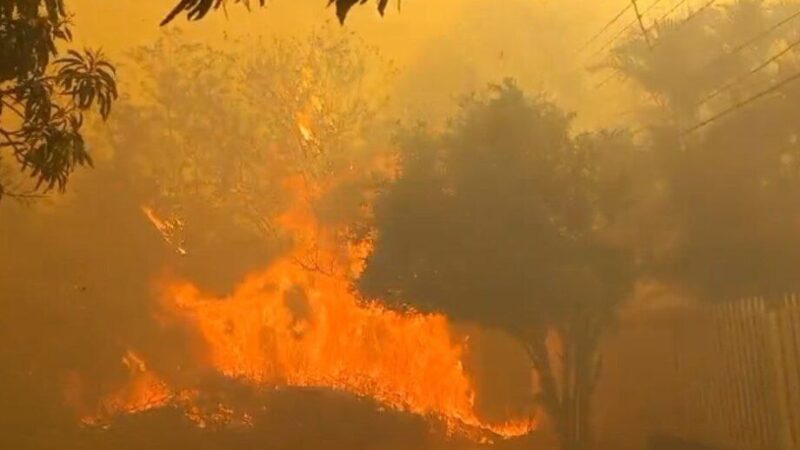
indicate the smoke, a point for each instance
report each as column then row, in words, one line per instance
column 220, row 114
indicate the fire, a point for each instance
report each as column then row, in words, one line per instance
column 305, row 132
column 168, row 228
column 143, row 391
column 299, row 322
column 304, row 128
column 288, row 326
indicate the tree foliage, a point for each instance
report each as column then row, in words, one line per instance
column 506, row 220
column 197, row 9
column 218, row 131
column 727, row 192
column 692, row 58
column 43, row 97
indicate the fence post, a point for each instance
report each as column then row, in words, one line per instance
column 780, row 390
column 790, row 328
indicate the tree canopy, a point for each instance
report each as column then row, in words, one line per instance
column 215, row 133
column 725, row 194
column 506, row 220
column 43, row 97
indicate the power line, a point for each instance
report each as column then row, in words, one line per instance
column 749, row 73
column 671, row 10
column 701, row 9
column 691, row 16
column 608, row 79
column 763, row 34
column 633, row 22
column 606, row 27
column 742, row 103
column 638, row 19
column 627, row 27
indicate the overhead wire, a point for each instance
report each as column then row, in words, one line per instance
column 630, row 24
column 689, row 18
column 670, row 11
column 740, row 104
column 764, row 64
column 750, row 41
column 624, row 29
column 738, row 80
column 764, row 33
column 606, row 27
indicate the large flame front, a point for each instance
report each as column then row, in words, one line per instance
column 299, row 322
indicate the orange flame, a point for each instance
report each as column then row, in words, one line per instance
column 143, row 391
column 168, row 228
column 299, row 322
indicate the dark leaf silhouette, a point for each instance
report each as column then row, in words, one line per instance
column 343, row 7
column 197, row 9
column 47, row 96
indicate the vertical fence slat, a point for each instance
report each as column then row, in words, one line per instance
column 738, row 377
column 718, row 370
column 741, row 375
column 726, row 406
column 764, row 375
column 791, row 333
column 763, row 393
column 732, row 376
column 751, row 380
column 779, row 369
column 756, row 347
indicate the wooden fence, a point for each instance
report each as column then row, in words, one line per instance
column 739, row 365
column 727, row 375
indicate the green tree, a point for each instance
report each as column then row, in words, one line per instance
column 43, row 100
column 506, row 220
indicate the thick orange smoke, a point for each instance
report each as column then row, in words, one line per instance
column 300, row 323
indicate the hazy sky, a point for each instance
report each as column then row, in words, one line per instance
column 442, row 48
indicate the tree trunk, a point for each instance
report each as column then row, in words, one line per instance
column 566, row 382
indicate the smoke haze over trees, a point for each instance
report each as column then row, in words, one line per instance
column 506, row 220
column 503, row 179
